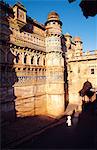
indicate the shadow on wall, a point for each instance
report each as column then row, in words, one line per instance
column 86, row 91
column 7, row 71
column 66, row 97
column 8, row 79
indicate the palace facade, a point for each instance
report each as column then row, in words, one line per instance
column 42, row 70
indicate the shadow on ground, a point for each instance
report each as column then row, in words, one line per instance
column 81, row 135
column 22, row 128
column 86, row 131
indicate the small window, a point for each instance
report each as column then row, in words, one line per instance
column 92, row 71
column 44, row 62
column 17, row 58
column 25, row 59
column 32, row 60
column 38, row 60
column 51, row 23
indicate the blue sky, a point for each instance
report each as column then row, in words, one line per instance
column 71, row 16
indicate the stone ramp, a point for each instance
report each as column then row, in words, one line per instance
column 71, row 108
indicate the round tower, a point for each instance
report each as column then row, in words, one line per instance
column 68, row 40
column 55, row 66
column 53, row 39
column 78, row 46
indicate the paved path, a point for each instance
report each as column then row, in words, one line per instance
column 24, row 132
column 24, row 128
column 81, row 135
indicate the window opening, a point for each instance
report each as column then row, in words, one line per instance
column 25, row 59
column 32, row 60
column 92, row 71
column 38, row 60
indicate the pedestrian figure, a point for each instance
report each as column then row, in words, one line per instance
column 68, row 121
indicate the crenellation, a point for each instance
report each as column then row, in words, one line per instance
column 89, row 55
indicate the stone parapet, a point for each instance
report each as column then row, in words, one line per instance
column 29, row 44
column 92, row 55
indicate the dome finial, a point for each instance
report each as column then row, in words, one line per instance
column 53, row 16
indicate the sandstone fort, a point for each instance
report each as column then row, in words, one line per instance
column 42, row 70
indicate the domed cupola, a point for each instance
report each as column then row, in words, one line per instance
column 53, row 24
column 53, row 17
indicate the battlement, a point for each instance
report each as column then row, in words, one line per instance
column 89, row 55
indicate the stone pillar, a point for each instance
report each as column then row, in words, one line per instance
column 21, row 58
column 68, row 40
column 35, row 60
column 78, row 46
column 28, row 59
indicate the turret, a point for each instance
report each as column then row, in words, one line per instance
column 68, row 40
column 53, row 38
column 19, row 14
column 55, row 66
column 53, row 25
column 78, row 46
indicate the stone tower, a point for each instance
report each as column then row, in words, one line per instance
column 78, row 46
column 68, row 40
column 19, row 14
column 55, row 66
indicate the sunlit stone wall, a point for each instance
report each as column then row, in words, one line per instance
column 80, row 70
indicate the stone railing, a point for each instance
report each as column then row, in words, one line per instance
column 85, row 56
column 23, row 43
column 28, row 40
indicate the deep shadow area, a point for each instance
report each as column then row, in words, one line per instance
column 8, row 75
column 86, row 91
column 66, row 95
column 23, row 128
column 86, row 131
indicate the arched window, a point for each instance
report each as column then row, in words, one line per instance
column 92, row 71
column 25, row 59
column 44, row 61
column 17, row 58
column 38, row 60
column 32, row 60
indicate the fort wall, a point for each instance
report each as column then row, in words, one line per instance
column 39, row 66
